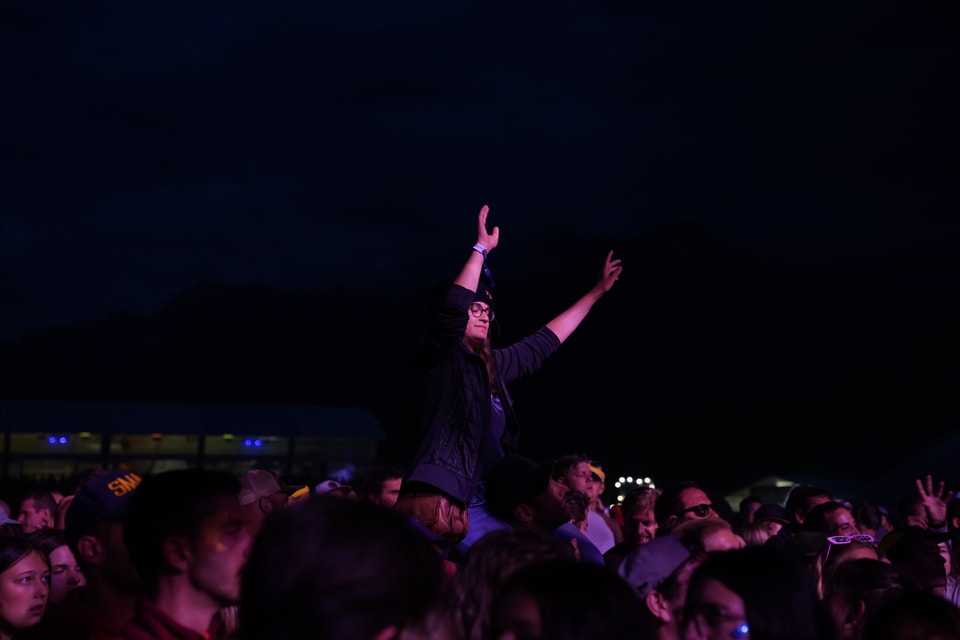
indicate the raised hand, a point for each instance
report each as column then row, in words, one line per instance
column 935, row 499
column 488, row 239
column 610, row 274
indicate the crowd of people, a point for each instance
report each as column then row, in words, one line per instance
column 472, row 540
column 208, row 555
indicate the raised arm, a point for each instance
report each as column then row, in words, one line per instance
column 470, row 273
column 565, row 323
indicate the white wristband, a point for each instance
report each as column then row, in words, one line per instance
column 482, row 250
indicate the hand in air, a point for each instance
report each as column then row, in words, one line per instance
column 935, row 498
column 611, row 273
column 486, row 238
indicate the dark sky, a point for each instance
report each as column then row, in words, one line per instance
column 149, row 147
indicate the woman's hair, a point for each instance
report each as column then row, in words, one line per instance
column 488, row 563
column 484, row 350
column 48, row 539
column 15, row 548
column 779, row 597
column 755, row 533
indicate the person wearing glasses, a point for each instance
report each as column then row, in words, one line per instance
column 466, row 421
column 682, row 501
column 757, row 591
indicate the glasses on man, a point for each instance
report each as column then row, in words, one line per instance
column 699, row 510
column 477, row 310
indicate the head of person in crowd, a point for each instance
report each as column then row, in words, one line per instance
column 856, row 590
column 801, row 498
column 953, row 517
column 565, row 599
column 260, row 495
column 639, row 518
column 598, row 485
column 869, row 519
column 24, row 585
column 187, row 536
column 841, row 549
column 754, row 533
column 522, row 493
column 334, row 488
column 93, row 529
column 682, row 501
column 832, row 517
column 335, row 568
column 604, row 530
column 659, row 572
column 37, row 511
column 573, row 471
column 381, row 484
column 639, row 523
column 772, row 516
column 714, row 534
column 915, row 551
column 746, row 508
column 487, row 565
column 948, row 552
column 757, row 592
column 65, row 572
column 914, row 615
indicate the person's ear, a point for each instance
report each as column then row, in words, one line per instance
column 176, row 552
column 90, row 550
column 523, row 512
column 658, row 605
column 265, row 505
column 856, row 614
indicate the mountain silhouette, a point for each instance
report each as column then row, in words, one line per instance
column 705, row 361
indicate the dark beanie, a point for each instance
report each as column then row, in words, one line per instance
column 484, row 288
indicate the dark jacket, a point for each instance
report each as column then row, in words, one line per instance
column 455, row 397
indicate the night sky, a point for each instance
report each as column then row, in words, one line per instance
column 151, row 147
